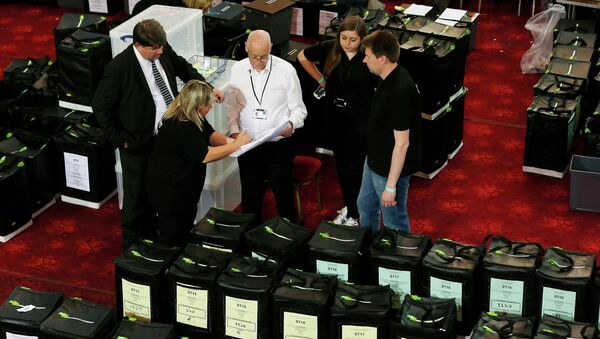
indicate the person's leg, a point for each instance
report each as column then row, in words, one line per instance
column 174, row 227
column 253, row 182
column 368, row 201
column 397, row 216
column 350, row 160
column 138, row 218
column 280, row 165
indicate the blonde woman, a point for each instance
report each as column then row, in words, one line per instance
column 185, row 143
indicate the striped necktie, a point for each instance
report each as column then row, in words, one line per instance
column 162, row 86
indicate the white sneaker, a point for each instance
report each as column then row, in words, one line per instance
column 351, row 222
column 341, row 217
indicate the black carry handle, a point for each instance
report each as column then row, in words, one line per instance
column 561, row 85
column 578, row 42
column 351, row 301
column 430, row 43
column 396, row 19
column 561, row 253
column 554, row 323
column 458, row 252
column 576, row 29
column 427, row 320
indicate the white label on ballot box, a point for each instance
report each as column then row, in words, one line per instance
column 192, row 306
column 558, row 303
column 136, row 300
column 241, row 318
column 98, row 6
column 359, row 332
column 446, row 289
column 333, row 268
column 399, row 281
column 19, row 336
column 77, row 173
column 300, row 326
column 507, row 296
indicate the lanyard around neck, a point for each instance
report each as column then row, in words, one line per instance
column 265, row 87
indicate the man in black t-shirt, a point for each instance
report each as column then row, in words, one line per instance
column 393, row 137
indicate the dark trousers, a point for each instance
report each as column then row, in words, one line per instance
column 350, row 151
column 138, row 218
column 272, row 162
column 174, row 227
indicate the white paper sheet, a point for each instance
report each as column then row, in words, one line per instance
column 260, row 139
column 453, row 14
column 446, row 22
column 418, row 10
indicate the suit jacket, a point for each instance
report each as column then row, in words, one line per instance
column 123, row 103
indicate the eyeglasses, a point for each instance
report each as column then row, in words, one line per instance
column 262, row 58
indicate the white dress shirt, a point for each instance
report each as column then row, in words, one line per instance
column 159, row 101
column 282, row 99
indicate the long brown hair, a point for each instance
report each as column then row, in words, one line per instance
column 193, row 96
column 351, row 23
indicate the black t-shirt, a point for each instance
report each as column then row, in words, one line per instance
column 175, row 174
column 396, row 106
column 350, row 80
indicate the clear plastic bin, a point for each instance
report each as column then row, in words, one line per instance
column 211, row 68
column 182, row 25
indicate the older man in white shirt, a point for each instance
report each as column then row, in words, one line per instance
column 267, row 95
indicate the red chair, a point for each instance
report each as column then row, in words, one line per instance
column 306, row 170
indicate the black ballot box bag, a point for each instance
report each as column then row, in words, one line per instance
column 576, row 39
column 222, row 229
column 80, row 60
column 499, row 325
column 79, row 319
column 280, row 240
column 301, row 303
column 361, row 311
column 15, row 210
column 424, row 317
column 192, row 279
column 88, row 164
column 574, row 53
column 273, row 16
column 22, row 114
column 436, row 67
column 40, row 170
column 222, row 26
column 575, row 26
column 565, row 284
column 436, row 138
column 24, row 310
column 24, row 72
column 338, row 250
column 133, row 329
column 553, row 327
column 70, row 22
column 245, row 292
column 141, row 281
column 459, row 34
column 509, row 276
column 559, row 85
column 452, row 270
column 456, row 122
column 552, row 124
column 396, row 260
column 591, row 135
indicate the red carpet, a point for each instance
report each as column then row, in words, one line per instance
column 481, row 191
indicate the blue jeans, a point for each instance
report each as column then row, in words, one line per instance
column 369, row 202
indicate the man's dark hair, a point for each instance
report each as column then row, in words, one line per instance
column 383, row 43
column 149, row 33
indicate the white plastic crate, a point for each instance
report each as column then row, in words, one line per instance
column 182, row 25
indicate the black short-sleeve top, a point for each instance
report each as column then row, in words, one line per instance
column 396, row 106
column 350, row 80
column 175, row 174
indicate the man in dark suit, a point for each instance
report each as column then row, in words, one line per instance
column 129, row 103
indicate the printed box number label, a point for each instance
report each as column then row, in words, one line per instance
column 559, row 303
column 19, row 336
column 446, row 289
column 333, row 268
column 136, row 300
column 77, row 174
column 241, row 318
column 359, row 332
column 399, row 281
column 192, row 306
column 300, row 326
column 507, row 296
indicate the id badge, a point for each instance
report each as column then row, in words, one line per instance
column 260, row 113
